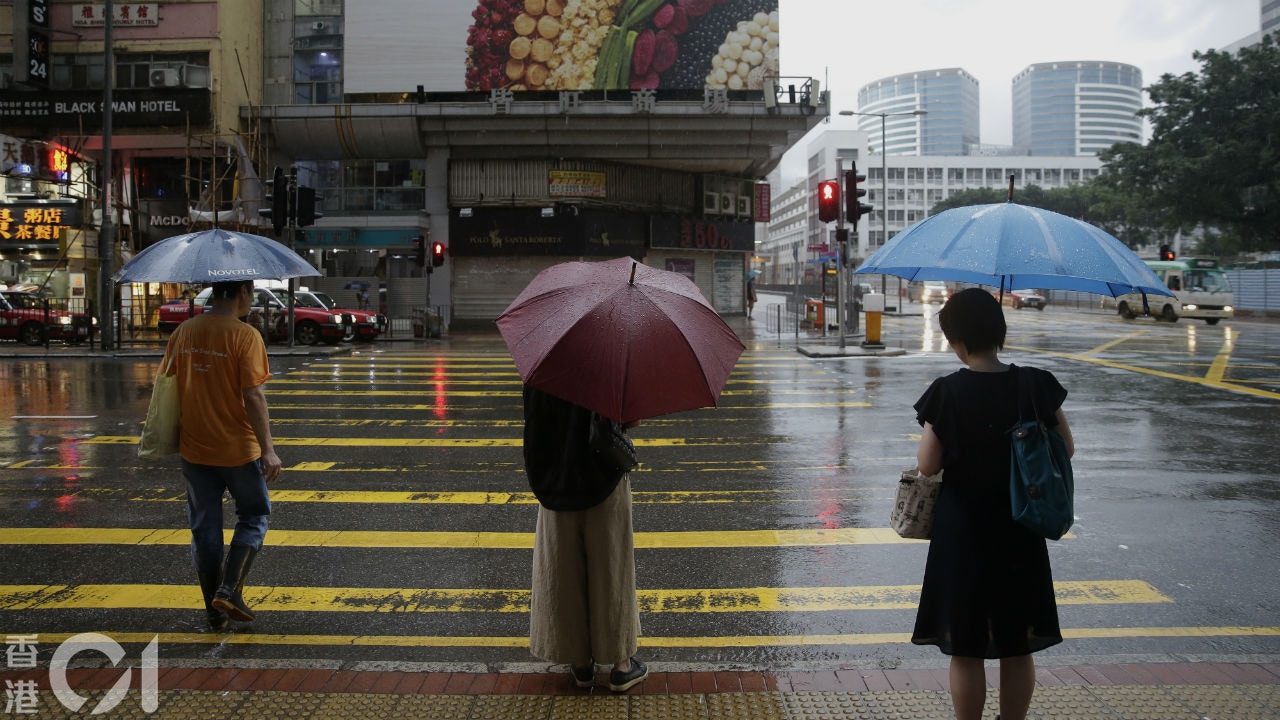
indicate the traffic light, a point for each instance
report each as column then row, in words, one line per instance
column 304, row 212
column 1166, row 252
column 828, row 201
column 279, row 198
column 420, row 250
column 854, row 208
column 437, row 254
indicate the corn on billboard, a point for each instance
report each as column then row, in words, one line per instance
column 561, row 45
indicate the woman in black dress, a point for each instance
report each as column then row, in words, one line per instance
column 988, row 590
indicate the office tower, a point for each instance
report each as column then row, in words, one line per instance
column 1076, row 107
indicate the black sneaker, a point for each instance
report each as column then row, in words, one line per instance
column 620, row 681
column 584, row 677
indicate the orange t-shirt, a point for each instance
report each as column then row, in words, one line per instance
column 217, row 357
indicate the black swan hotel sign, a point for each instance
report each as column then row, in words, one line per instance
column 77, row 110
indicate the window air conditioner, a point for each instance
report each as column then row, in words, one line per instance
column 728, row 202
column 319, row 26
column 711, row 203
column 744, row 206
column 164, row 77
column 195, row 76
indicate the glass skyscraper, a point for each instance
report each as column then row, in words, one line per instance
column 1076, row 108
column 949, row 95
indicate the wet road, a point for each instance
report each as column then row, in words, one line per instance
column 402, row 523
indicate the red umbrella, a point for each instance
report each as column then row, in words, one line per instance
column 620, row 338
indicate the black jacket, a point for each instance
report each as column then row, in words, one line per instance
column 563, row 472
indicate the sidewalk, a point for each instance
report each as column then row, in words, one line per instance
column 1195, row 691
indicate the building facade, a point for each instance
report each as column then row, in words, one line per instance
column 950, row 96
column 508, row 152
column 491, row 138
column 179, row 72
column 903, row 197
column 1076, row 107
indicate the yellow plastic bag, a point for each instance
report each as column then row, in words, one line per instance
column 160, row 434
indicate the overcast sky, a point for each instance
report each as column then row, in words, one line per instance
column 849, row 43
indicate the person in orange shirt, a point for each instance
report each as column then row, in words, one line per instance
column 225, row 443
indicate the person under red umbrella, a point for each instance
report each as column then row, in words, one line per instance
column 584, row 608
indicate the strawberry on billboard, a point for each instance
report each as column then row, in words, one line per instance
column 562, row 45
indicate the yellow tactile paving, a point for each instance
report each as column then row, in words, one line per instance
column 1083, row 702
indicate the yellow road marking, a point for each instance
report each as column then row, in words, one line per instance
column 455, row 442
column 1107, row 346
column 1219, row 384
column 1218, row 369
column 386, row 407
column 442, row 539
column 326, row 393
column 714, row 641
column 392, row 497
column 516, row 600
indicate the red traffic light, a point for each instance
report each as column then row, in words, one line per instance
column 420, row 250
column 828, row 201
column 437, row 254
column 1166, row 252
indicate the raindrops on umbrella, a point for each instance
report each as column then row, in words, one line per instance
column 620, row 338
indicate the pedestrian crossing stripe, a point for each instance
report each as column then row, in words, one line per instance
column 368, row 442
column 713, row 641
column 459, row 539
column 455, row 600
column 421, row 497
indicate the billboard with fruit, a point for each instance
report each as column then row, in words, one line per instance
column 562, row 45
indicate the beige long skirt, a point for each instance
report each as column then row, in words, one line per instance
column 584, row 583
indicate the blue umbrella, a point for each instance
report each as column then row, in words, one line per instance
column 1006, row 245
column 356, row 285
column 214, row 256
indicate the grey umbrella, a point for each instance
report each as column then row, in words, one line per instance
column 215, row 256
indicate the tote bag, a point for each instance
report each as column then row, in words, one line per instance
column 912, row 513
column 1041, row 485
column 160, row 433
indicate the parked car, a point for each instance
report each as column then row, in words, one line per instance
column 364, row 325
column 928, row 291
column 269, row 314
column 1018, row 299
column 23, row 317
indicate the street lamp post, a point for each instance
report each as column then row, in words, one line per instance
column 884, row 177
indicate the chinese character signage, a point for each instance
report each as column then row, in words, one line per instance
column 34, row 159
column 124, row 15
column 572, row 183
column 554, row 45
column 38, row 222
column 764, row 200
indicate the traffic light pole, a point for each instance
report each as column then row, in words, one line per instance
column 841, row 240
column 292, row 229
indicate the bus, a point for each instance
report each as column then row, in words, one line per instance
column 1201, row 288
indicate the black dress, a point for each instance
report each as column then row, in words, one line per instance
column 988, row 589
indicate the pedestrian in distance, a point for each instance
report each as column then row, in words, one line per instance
column 225, row 442
column 751, row 295
column 988, row 588
column 584, row 608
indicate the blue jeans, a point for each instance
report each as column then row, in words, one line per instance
column 205, row 487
